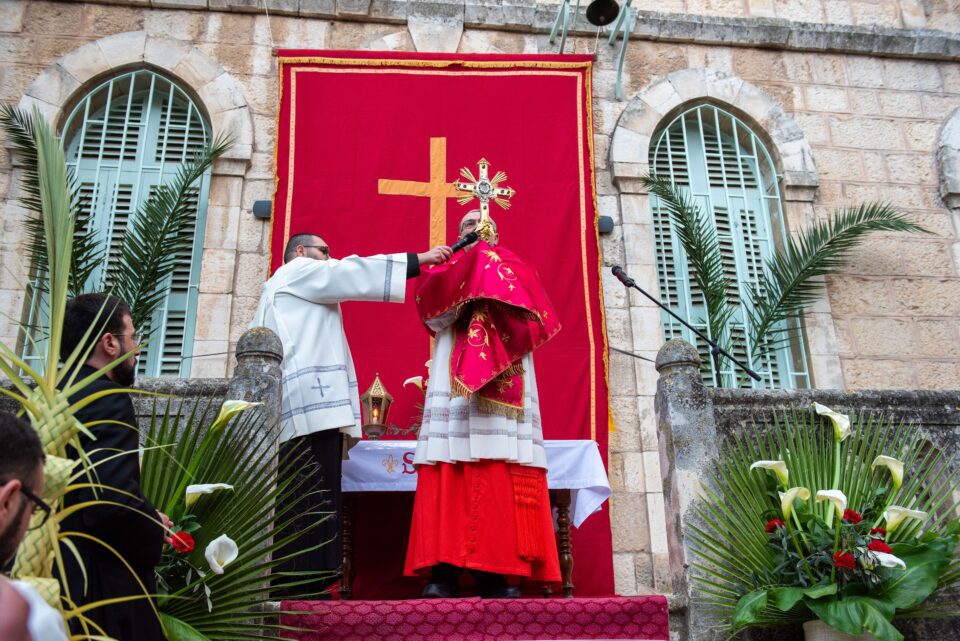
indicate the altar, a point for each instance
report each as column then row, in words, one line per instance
column 576, row 478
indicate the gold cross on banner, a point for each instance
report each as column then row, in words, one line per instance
column 484, row 189
column 437, row 189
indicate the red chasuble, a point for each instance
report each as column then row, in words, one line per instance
column 503, row 313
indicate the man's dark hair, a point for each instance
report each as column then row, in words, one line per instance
column 85, row 310
column 21, row 452
column 302, row 238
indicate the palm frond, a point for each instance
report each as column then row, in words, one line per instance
column 788, row 283
column 698, row 238
column 158, row 237
column 88, row 252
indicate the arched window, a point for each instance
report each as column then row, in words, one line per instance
column 728, row 172
column 122, row 139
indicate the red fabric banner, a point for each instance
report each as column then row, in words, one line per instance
column 369, row 146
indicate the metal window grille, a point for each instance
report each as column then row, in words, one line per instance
column 728, row 172
column 128, row 135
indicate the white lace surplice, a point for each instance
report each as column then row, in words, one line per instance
column 454, row 430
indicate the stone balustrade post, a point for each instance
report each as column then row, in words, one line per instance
column 257, row 378
column 688, row 439
column 258, row 374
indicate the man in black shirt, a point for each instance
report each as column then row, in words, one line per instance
column 130, row 524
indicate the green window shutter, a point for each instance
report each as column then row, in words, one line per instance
column 128, row 135
column 727, row 171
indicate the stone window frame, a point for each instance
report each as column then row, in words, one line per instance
column 216, row 92
column 948, row 160
column 657, row 104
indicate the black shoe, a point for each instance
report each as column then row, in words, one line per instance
column 494, row 586
column 508, row 592
column 439, row 591
column 443, row 582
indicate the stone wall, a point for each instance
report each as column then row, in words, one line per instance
column 855, row 98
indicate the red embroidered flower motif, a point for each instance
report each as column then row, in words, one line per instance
column 182, row 541
column 773, row 525
column 879, row 546
column 844, row 560
column 852, row 517
column 879, row 530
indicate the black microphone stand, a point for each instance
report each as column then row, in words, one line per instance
column 715, row 349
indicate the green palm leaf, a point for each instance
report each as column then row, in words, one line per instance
column 159, row 236
column 698, row 238
column 789, row 280
column 87, row 252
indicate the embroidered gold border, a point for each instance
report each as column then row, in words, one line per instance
column 441, row 67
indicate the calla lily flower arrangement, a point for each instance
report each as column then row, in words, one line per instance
column 854, row 522
column 213, row 470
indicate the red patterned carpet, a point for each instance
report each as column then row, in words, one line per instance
column 478, row 619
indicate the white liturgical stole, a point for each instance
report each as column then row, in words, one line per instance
column 301, row 303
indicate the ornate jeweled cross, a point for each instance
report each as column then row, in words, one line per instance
column 484, row 189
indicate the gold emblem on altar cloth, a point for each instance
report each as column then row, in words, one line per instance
column 391, row 463
column 484, row 189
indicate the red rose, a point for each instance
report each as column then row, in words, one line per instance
column 844, row 560
column 182, row 542
column 879, row 530
column 879, row 546
column 773, row 525
column 853, row 517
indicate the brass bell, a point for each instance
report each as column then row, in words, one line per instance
column 600, row 13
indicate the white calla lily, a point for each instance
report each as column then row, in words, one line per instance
column 895, row 515
column 841, row 422
column 838, row 498
column 777, row 467
column 889, row 560
column 194, row 492
column 414, row 380
column 220, row 552
column 229, row 409
column 787, row 498
column 894, row 465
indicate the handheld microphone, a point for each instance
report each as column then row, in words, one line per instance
column 469, row 239
column 622, row 276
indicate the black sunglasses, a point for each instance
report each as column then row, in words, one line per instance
column 323, row 249
column 39, row 506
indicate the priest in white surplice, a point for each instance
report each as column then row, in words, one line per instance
column 301, row 303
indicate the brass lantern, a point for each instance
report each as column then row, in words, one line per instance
column 375, row 405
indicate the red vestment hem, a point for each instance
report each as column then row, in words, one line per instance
column 466, row 514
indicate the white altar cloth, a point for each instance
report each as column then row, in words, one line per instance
column 387, row 466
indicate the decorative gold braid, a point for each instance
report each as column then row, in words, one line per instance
column 458, row 389
column 469, row 64
column 489, row 406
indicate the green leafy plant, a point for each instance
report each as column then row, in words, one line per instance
column 790, row 279
column 217, row 480
column 44, row 394
column 153, row 243
column 184, row 448
column 849, row 526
